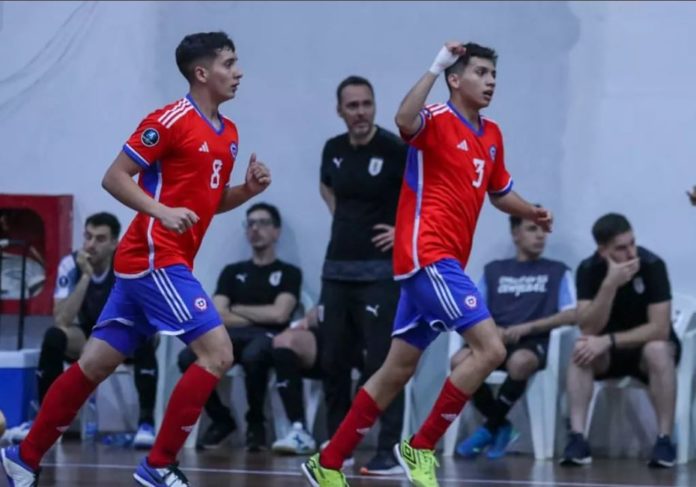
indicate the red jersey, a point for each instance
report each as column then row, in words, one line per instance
column 449, row 170
column 186, row 163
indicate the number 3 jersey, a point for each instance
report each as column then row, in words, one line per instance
column 186, row 162
column 450, row 168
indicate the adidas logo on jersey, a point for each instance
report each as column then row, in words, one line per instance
column 463, row 145
column 204, row 147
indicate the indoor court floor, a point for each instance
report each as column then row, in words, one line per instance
column 72, row 464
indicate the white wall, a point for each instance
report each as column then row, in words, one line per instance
column 592, row 98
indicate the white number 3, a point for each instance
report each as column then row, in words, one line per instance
column 215, row 177
column 479, row 164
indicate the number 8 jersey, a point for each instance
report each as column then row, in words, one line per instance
column 185, row 162
column 450, row 168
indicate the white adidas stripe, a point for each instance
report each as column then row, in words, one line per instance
column 172, row 110
column 173, row 121
column 166, row 297
column 176, row 294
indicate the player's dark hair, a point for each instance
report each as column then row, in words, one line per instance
column 107, row 219
column 195, row 47
column 270, row 209
column 516, row 221
column 472, row 50
column 353, row 81
column 608, row 227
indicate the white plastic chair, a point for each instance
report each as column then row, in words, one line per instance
column 684, row 324
column 542, row 394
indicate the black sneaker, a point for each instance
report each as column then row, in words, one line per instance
column 577, row 451
column 663, row 453
column 216, row 434
column 383, row 463
column 255, row 438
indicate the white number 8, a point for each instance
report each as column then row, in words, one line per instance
column 215, row 178
column 479, row 164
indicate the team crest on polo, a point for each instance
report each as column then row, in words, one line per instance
column 639, row 285
column 201, row 304
column 234, row 149
column 492, row 151
column 375, row 166
column 275, row 277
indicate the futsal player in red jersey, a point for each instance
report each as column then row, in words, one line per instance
column 183, row 155
column 456, row 158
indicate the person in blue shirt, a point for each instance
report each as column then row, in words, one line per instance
column 528, row 296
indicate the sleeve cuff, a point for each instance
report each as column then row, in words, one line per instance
column 505, row 190
column 137, row 158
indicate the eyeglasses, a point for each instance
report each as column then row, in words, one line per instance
column 260, row 223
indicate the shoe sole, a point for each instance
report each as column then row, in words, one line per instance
column 395, row 470
column 660, row 464
column 575, row 462
column 309, row 476
column 142, row 481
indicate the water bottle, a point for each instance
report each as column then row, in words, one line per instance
column 90, row 421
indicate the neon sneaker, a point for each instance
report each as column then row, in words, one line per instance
column 319, row 476
column 418, row 464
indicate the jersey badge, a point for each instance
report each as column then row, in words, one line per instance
column 234, row 149
column 492, row 151
column 201, row 304
column 471, row 301
column 639, row 285
column 150, row 137
column 375, row 166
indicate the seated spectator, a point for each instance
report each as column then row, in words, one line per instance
column 85, row 278
column 624, row 307
column 256, row 299
column 528, row 296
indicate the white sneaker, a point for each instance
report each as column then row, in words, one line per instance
column 297, row 442
column 18, row 433
column 348, row 462
column 144, row 437
column 19, row 474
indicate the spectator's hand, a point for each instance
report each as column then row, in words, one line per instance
column 512, row 334
column 588, row 348
column 620, row 274
column 258, row 176
column 543, row 218
column 385, row 239
column 692, row 195
column 447, row 56
column 177, row 219
column 83, row 263
column 301, row 324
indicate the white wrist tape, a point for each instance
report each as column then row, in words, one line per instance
column 443, row 60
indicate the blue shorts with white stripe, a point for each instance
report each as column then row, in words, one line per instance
column 439, row 297
column 169, row 301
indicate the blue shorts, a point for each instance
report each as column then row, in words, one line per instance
column 169, row 301
column 439, row 297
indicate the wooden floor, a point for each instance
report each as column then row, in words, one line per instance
column 71, row 464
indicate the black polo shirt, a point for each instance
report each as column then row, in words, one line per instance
column 366, row 181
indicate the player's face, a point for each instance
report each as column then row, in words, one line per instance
column 529, row 238
column 260, row 231
column 224, row 75
column 357, row 109
column 621, row 248
column 98, row 243
column 476, row 84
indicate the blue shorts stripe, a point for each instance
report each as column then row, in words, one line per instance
column 448, row 292
column 437, row 285
column 177, row 297
column 165, row 294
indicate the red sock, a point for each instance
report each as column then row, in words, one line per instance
column 58, row 409
column 362, row 415
column 184, row 408
column 449, row 404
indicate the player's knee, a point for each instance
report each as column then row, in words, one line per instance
column 495, row 354
column 285, row 340
column 458, row 358
column 521, row 366
column 659, row 355
column 55, row 339
column 224, row 359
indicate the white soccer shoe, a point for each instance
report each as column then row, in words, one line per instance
column 297, row 442
column 19, row 474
